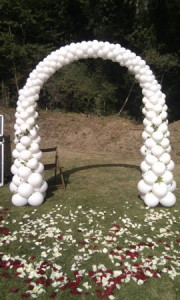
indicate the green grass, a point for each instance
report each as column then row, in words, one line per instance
column 101, row 191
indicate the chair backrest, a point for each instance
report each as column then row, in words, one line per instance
column 49, row 150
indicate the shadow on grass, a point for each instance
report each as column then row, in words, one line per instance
column 67, row 173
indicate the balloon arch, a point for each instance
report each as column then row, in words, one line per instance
column 157, row 183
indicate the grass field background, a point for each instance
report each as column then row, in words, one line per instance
column 96, row 239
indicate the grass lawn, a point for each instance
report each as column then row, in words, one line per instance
column 94, row 240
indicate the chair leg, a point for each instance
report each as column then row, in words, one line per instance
column 62, row 179
column 55, row 174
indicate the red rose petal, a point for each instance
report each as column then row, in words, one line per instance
column 5, row 275
column 13, row 290
column 4, row 230
column 27, row 280
column 53, row 295
column 83, row 242
column 168, row 257
column 150, row 244
column 60, row 278
column 31, row 287
column 32, row 257
column 25, row 295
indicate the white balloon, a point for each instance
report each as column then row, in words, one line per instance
column 143, row 187
column 36, row 199
column 150, row 115
column 165, row 158
column 44, row 187
column 19, row 121
column 165, row 107
column 150, row 159
column 24, row 104
column 37, row 155
column 144, row 111
column 159, row 168
column 145, row 135
column 163, row 128
column 37, row 140
column 16, row 140
column 25, row 140
column 167, row 134
column 35, row 179
column 42, row 76
column 145, row 100
column 29, row 92
column 32, row 163
column 157, row 121
column 17, row 200
column 24, row 127
column 159, row 189
column 18, row 132
column 24, row 115
column 165, row 143
column 142, row 196
column 157, row 108
column 157, row 151
column 24, row 172
column 30, row 110
column 15, row 153
column 13, row 188
column 151, row 200
column 167, row 177
column 144, row 166
column 154, row 99
column 36, row 115
column 149, row 129
column 157, row 136
column 17, row 163
column 149, row 143
column 168, row 200
column 172, row 186
column 40, row 168
column 20, row 147
column 25, row 190
column 25, row 155
column 31, row 100
column 30, row 121
column 16, row 127
column 34, row 147
column 16, row 180
column 143, row 150
column 150, row 178
column 147, row 122
column 148, row 106
column 163, row 115
column 14, row 169
column 168, row 149
column 33, row 133
column 170, row 165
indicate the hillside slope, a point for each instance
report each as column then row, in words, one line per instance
column 89, row 133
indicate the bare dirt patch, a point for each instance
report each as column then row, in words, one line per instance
column 91, row 134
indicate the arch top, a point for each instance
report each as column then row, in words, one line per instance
column 28, row 185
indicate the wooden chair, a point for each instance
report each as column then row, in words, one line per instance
column 54, row 166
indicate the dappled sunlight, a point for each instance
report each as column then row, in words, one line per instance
column 87, row 251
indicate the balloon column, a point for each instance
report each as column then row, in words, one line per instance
column 157, row 184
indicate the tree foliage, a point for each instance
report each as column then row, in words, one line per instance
column 31, row 29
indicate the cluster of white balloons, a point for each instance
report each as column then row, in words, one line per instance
column 157, row 184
